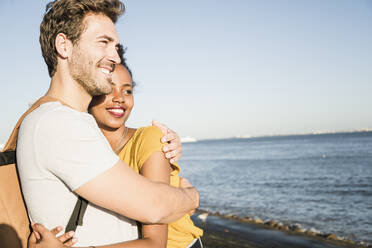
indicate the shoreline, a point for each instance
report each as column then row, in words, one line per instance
column 231, row 231
column 365, row 130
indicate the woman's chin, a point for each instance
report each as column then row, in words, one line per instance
column 112, row 126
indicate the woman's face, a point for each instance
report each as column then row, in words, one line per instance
column 111, row 111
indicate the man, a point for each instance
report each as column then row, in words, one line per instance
column 61, row 152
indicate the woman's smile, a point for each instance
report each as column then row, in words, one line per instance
column 117, row 112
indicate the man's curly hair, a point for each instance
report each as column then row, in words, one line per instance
column 66, row 16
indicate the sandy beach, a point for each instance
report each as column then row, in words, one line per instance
column 221, row 232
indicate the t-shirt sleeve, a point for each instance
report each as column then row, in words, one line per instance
column 148, row 142
column 71, row 146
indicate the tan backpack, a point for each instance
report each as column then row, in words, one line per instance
column 14, row 222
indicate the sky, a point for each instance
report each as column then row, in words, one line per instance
column 216, row 69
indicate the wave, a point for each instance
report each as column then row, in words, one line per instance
column 202, row 215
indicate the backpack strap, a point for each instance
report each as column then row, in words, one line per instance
column 77, row 215
column 7, row 158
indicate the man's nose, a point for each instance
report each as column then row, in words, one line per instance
column 114, row 56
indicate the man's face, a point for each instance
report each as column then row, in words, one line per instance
column 95, row 54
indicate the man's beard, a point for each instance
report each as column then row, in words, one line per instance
column 81, row 69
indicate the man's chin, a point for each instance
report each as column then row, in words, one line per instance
column 102, row 87
column 103, row 90
column 107, row 87
column 106, row 91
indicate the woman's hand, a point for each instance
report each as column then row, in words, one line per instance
column 173, row 151
column 44, row 238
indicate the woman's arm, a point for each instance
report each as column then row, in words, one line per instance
column 156, row 168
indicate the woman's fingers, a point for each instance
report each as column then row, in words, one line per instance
column 56, row 230
column 173, row 147
column 71, row 242
column 171, row 137
column 174, row 155
column 66, row 236
column 162, row 127
column 173, row 150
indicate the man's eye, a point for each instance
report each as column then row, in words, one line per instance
column 103, row 42
column 127, row 92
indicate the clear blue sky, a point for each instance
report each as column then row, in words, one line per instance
column 219, row 68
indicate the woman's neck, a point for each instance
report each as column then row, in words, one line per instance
column 114, row 136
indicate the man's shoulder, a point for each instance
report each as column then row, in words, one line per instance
column 54, row 109
column 48, row 110
column 52, row 120
column 53, row 112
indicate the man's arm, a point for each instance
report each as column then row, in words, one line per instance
column 156, row 168
column 123, row 191
column 79, row 156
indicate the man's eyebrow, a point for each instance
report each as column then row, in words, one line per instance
column 106, row 37
column 126, row 84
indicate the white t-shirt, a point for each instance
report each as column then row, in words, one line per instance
column 59, row 149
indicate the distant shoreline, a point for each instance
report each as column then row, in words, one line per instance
column 367, row 130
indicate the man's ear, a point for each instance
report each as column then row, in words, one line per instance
column 63, row 45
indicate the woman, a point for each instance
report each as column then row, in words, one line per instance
column 141, row 149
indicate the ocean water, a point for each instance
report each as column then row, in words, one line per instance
column 319, row 181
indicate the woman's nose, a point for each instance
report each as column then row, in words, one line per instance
column 118, row 97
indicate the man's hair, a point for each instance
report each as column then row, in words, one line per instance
column 66, row 16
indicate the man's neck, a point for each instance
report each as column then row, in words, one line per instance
column 69, row 91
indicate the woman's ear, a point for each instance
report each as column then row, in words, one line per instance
column 63, row 45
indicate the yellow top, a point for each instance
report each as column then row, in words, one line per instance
column 144, row 142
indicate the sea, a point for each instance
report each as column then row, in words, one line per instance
column 319, row 181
